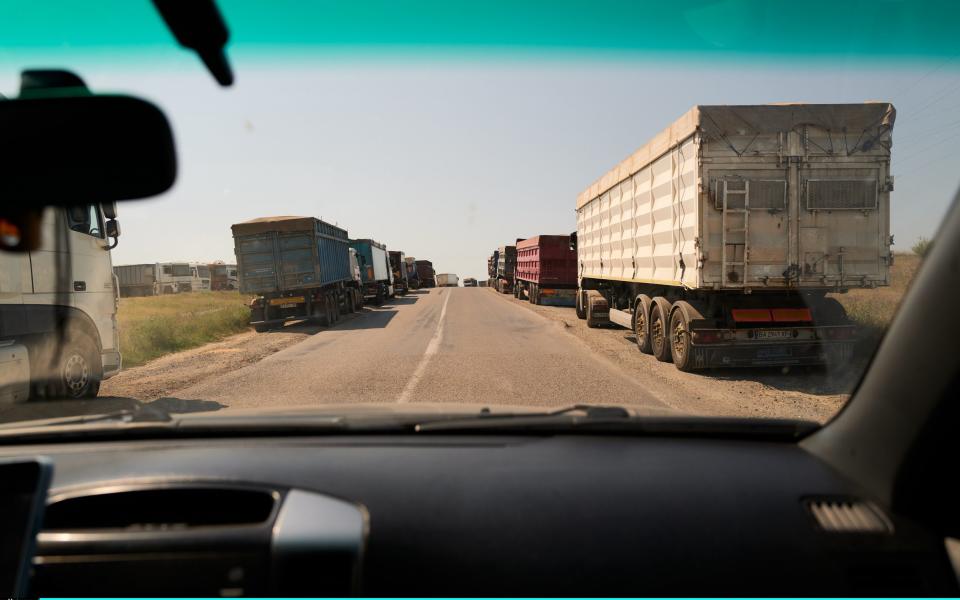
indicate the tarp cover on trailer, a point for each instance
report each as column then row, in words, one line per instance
column 264, row 224
column 717, row 122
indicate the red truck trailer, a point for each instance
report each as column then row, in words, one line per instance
column 546, row 271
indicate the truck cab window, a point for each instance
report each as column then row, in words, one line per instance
column 85, row 219
column 167, row 270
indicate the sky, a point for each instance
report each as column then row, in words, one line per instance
column 448, row 156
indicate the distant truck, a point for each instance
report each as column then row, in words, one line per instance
column 223, row 277
column 426, row 274
column 506, row 264
column 375, row 272
column 200, row 272
column 546, row 270
column 410, row 266
column 39, row 358
column 138, row 280
column 398, row 267
column 492, row 261
column 297, row 268
column 174, row 278
column 447, row 280
column 469, row 282
column 719, row 240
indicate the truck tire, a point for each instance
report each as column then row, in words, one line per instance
column 660, row 329
column 681, row 343
column 334, row 308
column 261, row 327
column 348, row 304
column 379, row 299
column 596, row 301
column 72, row 372
column 641, row 323
column 534, row 294
column 358, row 299
column 581, row 309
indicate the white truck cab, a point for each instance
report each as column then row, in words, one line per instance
column 58, row 308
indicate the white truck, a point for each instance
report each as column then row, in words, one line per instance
column 58, row 308
column 200, row 277
column 718, row 241
column 447, row 280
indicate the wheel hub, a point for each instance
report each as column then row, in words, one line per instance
column 76, row 373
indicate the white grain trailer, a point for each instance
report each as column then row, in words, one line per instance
column 718, row 241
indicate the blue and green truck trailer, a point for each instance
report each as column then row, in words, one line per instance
column 296, row 268
column 376, row 277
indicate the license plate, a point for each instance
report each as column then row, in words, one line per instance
column 287, row 302
column 772, row 334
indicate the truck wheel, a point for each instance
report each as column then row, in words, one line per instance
column 660, row 329
column 596, row 303
column 73, row 372
column 641, row 323
column 334, row 308
column 348, row 302
column 261, row 327
column 358, row 299
column 581, row 309
column 532, row 295
column 680, row 342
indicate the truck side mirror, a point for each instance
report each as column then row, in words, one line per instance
column 112, row 227
column 573, row 241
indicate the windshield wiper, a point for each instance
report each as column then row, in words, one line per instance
column 140, row 414
column 617, row 419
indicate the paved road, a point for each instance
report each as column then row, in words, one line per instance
column 457, row 345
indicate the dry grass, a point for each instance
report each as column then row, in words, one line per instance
column 153, row 326
column 874, row 309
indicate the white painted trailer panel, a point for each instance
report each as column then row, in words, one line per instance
column 748, row 197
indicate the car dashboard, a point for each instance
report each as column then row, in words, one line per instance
column 490, row 515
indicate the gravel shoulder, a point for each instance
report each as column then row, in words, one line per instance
column 814, row 394
column 167, row 375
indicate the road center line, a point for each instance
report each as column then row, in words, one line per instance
column 432, row 348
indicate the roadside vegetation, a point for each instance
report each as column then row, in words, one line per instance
column 874, row 309
column 153, row 326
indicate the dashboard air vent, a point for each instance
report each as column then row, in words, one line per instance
column 848, row 516
column 160, row 508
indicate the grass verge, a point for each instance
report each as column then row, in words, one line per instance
column 153, row 326
column 873, row 310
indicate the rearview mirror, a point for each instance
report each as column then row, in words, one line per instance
column 64, row 150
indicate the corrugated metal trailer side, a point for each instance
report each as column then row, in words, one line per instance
column 298, row 267
column 732, row 224
column 546, row 270
column 748, row 198
column 137, row 280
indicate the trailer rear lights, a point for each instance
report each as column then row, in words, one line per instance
column 792, row 315
column 752, row 315
column 706, row 337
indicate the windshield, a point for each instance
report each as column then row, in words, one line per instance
column 711, row 209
